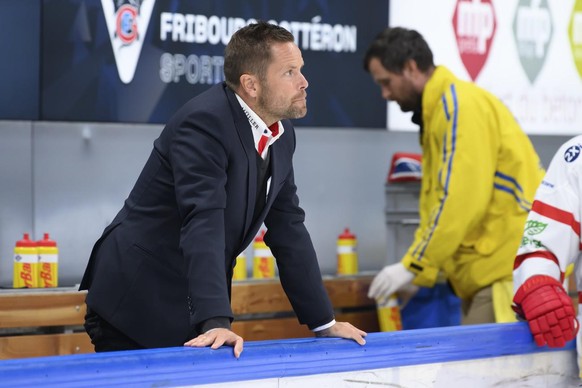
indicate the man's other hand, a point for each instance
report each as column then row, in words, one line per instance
column 215, row 338
column 344, row 330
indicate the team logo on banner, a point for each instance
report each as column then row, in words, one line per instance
column 532, row 29
column 474, row 26
column 127, row 23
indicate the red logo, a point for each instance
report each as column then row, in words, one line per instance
column 474, row 25
column 126, row 23
column 264, row 267
column 46, row 275
column 26, row 275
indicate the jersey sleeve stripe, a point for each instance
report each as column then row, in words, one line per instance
column 519, row 259
column 509, row 179
column 556, row 214
column 515, row 195
column 535, row 257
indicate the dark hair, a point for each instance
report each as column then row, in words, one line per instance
column 249, row 51
column 395, row 46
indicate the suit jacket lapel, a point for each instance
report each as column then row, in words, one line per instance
column 274, row 175
column 244, row 131
column 274, row 183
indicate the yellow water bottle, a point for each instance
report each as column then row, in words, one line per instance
column 347, row 257
column 263, row 262
column 389, row 318
column 240, row 267
column 48, row 262
column 25, row 263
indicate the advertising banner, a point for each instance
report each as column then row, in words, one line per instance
column 20, row 67
column 140, row 60
column 526, row 52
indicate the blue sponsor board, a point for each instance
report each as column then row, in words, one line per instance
column 140, row 60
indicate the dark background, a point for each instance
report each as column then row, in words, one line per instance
column 58, row 62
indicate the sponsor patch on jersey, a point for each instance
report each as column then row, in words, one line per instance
column 533, row 227
column 572, row 153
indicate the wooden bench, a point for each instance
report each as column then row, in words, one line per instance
column 35, row 323
column 42, row 323
column 262, row 310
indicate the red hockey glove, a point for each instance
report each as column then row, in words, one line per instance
column 549, row 311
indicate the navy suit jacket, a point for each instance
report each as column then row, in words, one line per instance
column 164, row 264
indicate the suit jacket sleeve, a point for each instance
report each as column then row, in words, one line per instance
column 199, row 162
column 288, row 239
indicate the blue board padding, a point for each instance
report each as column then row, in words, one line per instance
column 271, row 359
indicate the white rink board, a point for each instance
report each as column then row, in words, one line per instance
column 557, row 369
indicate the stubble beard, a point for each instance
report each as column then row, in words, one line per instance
column 279, row 109
column 296, row 112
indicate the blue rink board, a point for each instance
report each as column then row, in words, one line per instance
column 270, row 359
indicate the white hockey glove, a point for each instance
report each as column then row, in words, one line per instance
column 389, row 280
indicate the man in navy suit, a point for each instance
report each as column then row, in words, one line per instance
column 160, row 275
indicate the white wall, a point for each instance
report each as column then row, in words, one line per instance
column 70, row 179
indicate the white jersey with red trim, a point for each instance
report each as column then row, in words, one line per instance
column 551, row 236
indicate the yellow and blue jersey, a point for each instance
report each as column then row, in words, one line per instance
column 480, row 174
